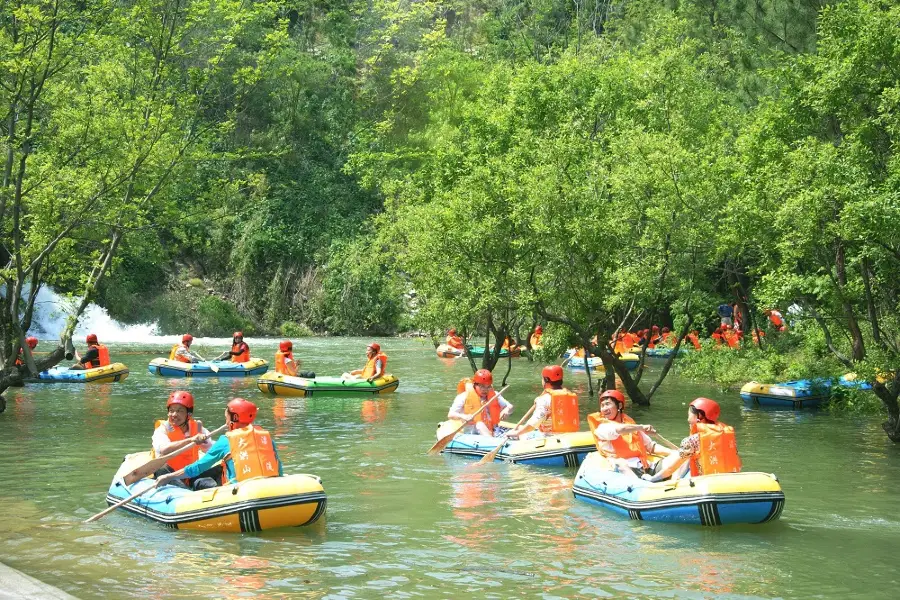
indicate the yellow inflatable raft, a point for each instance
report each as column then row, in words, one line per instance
column 252, row 505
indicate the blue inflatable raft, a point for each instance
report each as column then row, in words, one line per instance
column 556, row 450
column 111, row 373
column 722, row 499
column 174, row 368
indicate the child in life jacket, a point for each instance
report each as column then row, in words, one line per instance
column 711, row 448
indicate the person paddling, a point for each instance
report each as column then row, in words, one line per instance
column 620, row 439
column 711, row 448
column 475, row 395
column 97, row 355
column 240, row 351
column 376, row 365
column 183, row 352
column 180, row 430
column 247, row 449
column 556, row 409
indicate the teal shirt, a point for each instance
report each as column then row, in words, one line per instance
column 216, row 454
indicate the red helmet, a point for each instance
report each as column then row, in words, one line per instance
column 187, row 338
column 186, row 399
column 538, row 329
column 666, row 330
column 483, row 376
column 374, row 346
column 709, row 407
column 242, row 411
column 552, row 373
column 91, row 338
column 655, row 328
column 238, row 334
column 286, row 346
column 31, row 341
column 615, row 395
column 452, row 331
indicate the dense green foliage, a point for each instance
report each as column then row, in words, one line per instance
column 371, row 167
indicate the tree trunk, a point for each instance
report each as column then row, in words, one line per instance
column 889, row 399
column 631, row 388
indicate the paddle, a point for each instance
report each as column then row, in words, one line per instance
column 490, row 456
column 442, row 443
column 154, row 465
column 674, row 447
column 213, row 367
column 102, row 514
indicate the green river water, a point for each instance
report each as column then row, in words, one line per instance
column 402, row 524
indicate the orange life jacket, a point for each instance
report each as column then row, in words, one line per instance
column 176, row 435
column 732, row 338
column 252, row 453
column 536, row 340
column 454, row 341
column 489, row 416
column 627, row 445
column 563, row 417
column 243, row 356
column 369, row 369
column 718, row 450
column 283, row 366
column 174, row 356
column 103, row 359
column 692, row 338
column 20, row 359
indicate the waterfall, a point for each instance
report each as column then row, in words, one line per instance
column 52, row 310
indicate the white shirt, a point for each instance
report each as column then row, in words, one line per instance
column 607, row 432
column 185, row 352
column 542, row 405
column 460, row 401
column 161, row 439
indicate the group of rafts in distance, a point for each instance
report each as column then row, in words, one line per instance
column 238, row 484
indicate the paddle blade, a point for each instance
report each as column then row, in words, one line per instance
column 102, row 514
column 453, row 427
column 490, row 456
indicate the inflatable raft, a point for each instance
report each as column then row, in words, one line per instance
column 804, row 393
column 174, row 368
column 722, row 499
column 556, row 450
column 252, row 505
column 445, row 351
column 109, row 374
column 658, row 352
column 285, row 385
column 595, row 363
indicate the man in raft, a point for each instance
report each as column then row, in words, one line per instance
column 180, row 430
column 620, row 439
column 475, row 395
column 97, row 355
column 376, row 365
column 711, row 448
column 240, row 351
column 183, row 352
column 248, row 450
column 535, row 339
column 555, row 410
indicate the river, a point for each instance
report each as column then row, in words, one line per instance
column 402, row 524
